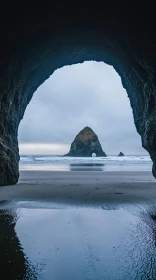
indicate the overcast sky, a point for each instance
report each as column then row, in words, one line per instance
column 87, row 94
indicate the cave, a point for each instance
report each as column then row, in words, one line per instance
column 36, row 42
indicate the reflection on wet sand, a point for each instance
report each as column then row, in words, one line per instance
column 86, row 167
column 13, row 262
column 109, row 242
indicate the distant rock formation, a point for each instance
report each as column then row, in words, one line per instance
column 121, row 154
column 85, row 144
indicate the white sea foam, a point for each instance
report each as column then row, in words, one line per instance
column 110, row 163
column 61, row 159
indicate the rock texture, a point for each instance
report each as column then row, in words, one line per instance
column 14, row 264
column 121, row 154
column 85, row 144
column 34, row 43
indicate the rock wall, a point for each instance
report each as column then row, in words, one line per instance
column 14, row 263
column 35, row 42
column 85, row 144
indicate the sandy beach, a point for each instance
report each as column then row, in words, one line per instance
column 82, row 187
column 107, row 218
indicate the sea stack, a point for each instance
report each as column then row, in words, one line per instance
column 121, row 154
column 85, row 144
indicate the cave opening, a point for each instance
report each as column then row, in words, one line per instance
column 75, row 96
column 109, row 36
column 87, row 94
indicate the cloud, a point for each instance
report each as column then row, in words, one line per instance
column 87, row 94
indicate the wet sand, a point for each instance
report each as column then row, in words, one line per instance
column 100, row 215
column 82, row 187
column 112, row 242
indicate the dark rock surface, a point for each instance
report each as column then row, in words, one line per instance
column 14, row 263
column 85, row 144
column 35, row 42
column 121, row 154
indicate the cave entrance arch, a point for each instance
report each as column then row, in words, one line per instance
column 82, row 95
column 94, row 155
column 51, row 38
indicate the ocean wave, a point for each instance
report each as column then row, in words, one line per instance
column 61, row 159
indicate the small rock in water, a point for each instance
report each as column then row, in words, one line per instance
column 121, row 154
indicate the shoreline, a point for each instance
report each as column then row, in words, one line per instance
column 82, row 187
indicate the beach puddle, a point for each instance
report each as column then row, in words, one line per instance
column 60, row 242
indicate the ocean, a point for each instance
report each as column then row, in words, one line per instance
column 110, row 163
